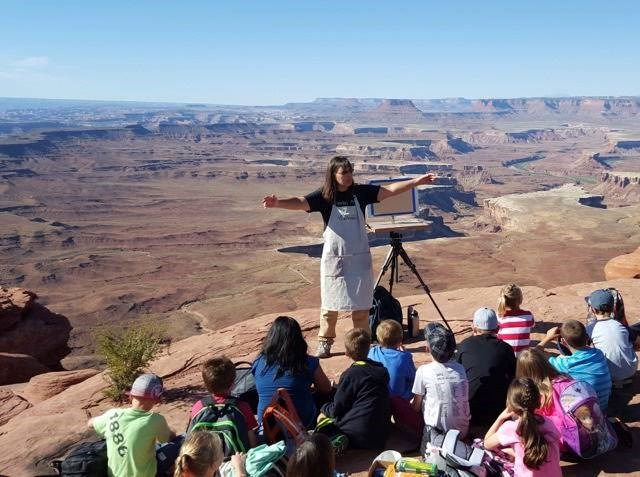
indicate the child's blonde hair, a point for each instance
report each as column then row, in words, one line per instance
column 389, row 333
column 510, row 297
column 199, row 452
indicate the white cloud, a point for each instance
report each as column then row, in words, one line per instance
column 32, row 62
column 5, row 75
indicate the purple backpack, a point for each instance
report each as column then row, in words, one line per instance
column 583, row 427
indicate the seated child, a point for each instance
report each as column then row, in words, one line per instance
column 533, row 438
column 219, row 375
column 584, row 363
column 612, row 338
column 402, row 372
column 490, row 366
column 313, row 458
column 361, row 407
column 515, row 323
column 131, row 433
column 441, row 389
column 201, row 455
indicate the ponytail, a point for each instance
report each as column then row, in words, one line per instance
column 523, row 398
column 181, row 465
column 510, row 297
column 534, row 443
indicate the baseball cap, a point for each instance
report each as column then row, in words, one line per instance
column 601, row 300
column 485, row 319
column 441, row 342
column 147, row 386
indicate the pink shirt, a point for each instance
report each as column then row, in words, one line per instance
column 509, row 438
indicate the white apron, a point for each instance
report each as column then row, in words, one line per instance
column 346, row 273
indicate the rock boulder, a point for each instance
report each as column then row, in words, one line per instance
column 44, row 386
column 623, row 266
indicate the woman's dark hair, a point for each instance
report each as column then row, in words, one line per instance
column 329, row 187
column 285, row 346
column 523, row 398
column 313, row 458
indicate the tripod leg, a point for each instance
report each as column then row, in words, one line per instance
column 405, row 258
column 394, row 270
column 387, row 262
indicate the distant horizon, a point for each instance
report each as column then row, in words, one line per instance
column 186, row 103
column 271, row 53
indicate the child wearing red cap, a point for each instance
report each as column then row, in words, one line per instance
column 131, row 433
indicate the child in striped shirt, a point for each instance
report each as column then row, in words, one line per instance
column 515, row 323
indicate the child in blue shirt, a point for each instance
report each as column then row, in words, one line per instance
column 584, row 363
column 402, row 372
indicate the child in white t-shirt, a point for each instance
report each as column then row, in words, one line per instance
column 441, row 389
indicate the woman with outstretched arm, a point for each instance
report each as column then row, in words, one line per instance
column 346, row 270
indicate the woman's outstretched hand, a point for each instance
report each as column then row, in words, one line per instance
column 270, row 201
column 426, row 179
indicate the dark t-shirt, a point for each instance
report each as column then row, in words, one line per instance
column 490, row 365
column 365, row 193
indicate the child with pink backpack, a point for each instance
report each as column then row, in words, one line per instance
column 571, row 405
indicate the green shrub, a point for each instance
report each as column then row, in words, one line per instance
column 127, row 352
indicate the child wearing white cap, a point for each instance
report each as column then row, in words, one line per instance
column 131, row 433
column 490, row 365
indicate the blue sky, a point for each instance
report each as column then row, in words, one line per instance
column 272, row 52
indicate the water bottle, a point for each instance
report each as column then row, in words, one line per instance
column 413, row 322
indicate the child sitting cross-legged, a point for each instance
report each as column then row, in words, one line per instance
column 530, row 437
column 402, row 372
column 361, row 407
column 441, row 389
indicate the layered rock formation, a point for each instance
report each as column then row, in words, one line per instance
column 621, row 188
column 33, row 340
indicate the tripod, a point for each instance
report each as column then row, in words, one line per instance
column 397, row 250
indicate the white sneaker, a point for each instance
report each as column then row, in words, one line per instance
column 324, row 349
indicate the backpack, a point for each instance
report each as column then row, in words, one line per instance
column 88, row 459
column 385, row 307
column 244, row 387
column 455, row 457
column 224, row 419
column 166, row 455
column 281, row 422
column 618, row 307
column 339, row 440
column 583, row 427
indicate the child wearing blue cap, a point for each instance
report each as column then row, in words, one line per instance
column 441, row 389
column 612, row 338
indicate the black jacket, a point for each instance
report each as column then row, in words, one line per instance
column 490, row 365
column 361, row 406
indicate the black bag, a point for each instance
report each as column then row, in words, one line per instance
column 385, row 307
column 226, row 420
column 88, row 459
column 244, row 387
column 166, row 455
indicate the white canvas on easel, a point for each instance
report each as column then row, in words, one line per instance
column 401, row 204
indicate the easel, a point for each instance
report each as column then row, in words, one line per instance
column 395, row 230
